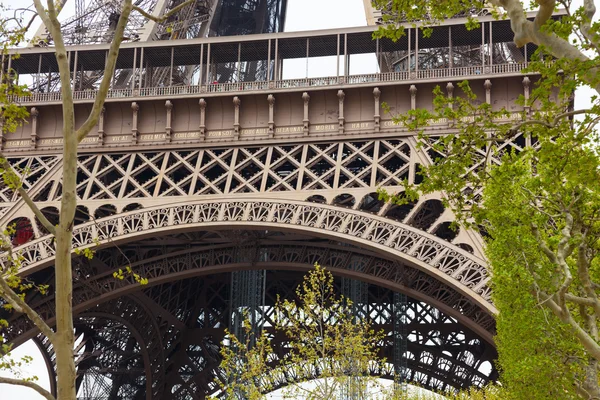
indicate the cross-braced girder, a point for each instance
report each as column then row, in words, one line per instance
column 440, row 352
column 179, row 312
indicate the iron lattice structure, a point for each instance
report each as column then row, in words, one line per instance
column 94, row 22
column 221, row 182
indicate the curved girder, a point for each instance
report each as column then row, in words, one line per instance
column 441, row 260
column 98, row 286
column 441, row 352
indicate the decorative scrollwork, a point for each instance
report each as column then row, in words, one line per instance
column 460, row 267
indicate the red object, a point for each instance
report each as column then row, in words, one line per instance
column 24, row 232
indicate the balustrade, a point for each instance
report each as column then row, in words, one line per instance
column 320, row 82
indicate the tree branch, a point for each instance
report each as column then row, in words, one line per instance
column 565, row 248
column 21, row 306
column 110, row 66
column 585, row 339
column 165, row 16
column 29, row 384
column 529, row 32
column 583, row 301
column 544, row 12
column 583, row 272
column 550, row 125
column 25, row 196
column 589, row 10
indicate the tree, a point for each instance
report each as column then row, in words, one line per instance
column 324, row 340
column 575, row 38
column 538, row 207
column 12, row 287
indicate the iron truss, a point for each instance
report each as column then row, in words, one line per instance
column 162, row 340
column 178, row 218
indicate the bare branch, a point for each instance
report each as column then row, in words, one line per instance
column 585, row 339
column 583, row 271
column 543, row 246
column 554, row 122
column 584, row 301
column 166, row 15
column 544, row 12
column 565, row 248
column 113, row 53
column 29, row 384
column 589, row 10
column 25, row 196
column 21, row 306
column 529, row 32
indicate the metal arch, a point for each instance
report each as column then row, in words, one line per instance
column 138, row 337
column 162, row 304
column 100, row 286
column 45, row 347
column 439, row 347
column 440, row 259
column 150, row 343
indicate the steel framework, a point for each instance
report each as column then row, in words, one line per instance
column 223, row 194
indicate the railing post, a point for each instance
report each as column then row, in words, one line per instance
column 450, row 54
column 74, row 70
column 341, row 95
column 377, row 116
column 171, row 70
column 202, row 126
column 140, row 70
column 168, row 129
column 34, row 117
column 208, row 65
column 483, row 48
column 488, row 91
column 346, row 58
column 491, row 62
column 133, row 69
column 450, row 90
column 307, row 54
column 416, row 51
column 101, row 127
column 276, row 74
column 236, row 117
column 408, row 64
column 201, row 70
column 305, row 121
column 413, row 97
column 271, row 100
column 239, row 63
column 269, row 61
column 134, row 125
column 338, row 57
column 526, row 86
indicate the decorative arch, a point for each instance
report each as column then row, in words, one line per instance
column 98, row 286
column 441, row 260
column 102, row 295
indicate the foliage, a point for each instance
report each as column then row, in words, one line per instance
column 324, row 341
column 536, row 204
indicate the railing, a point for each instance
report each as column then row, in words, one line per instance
column 441, row 73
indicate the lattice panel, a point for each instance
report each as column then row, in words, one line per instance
column 338, row 165
column 30, row 170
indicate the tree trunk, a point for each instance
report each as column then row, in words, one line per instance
column 63, row 346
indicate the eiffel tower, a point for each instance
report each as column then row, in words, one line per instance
column 208, row 163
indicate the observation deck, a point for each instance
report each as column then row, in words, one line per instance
column 180, row 88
